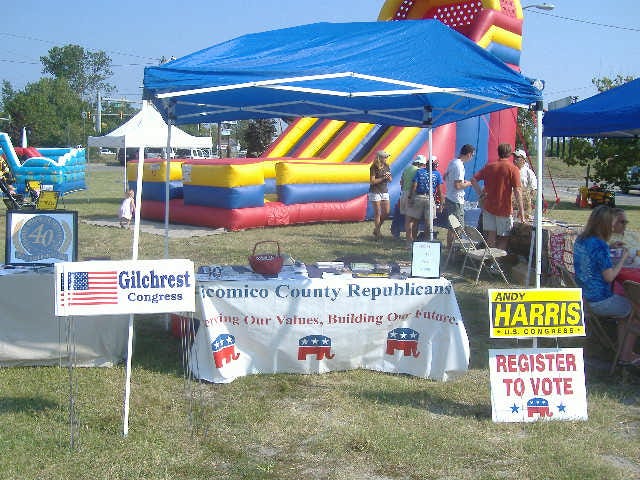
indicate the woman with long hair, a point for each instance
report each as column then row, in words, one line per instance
column 380, row 176
column 595, row 273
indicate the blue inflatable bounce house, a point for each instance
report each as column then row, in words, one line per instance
column 61, row 168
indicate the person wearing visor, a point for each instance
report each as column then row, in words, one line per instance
column 379, row 178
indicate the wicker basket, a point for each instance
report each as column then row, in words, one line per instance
column 266, row 263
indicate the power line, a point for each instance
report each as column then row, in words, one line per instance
column 588, row 22
column 34, row 39
column 19, row 61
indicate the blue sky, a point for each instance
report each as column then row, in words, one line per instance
column 566, row 47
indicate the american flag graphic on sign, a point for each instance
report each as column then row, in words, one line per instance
column 89, row 288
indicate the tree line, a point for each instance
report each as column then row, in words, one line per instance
column 60, row 108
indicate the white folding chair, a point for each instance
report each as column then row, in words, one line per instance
column 476, row 258
column 461, row 241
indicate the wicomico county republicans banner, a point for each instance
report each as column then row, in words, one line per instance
column 540, row 312
column 109, row 288
column 319, row 325
column 537, row 384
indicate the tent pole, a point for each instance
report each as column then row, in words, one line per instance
column 540, row 160
column 124, row 175
column 538, row 218
column 432, row 195
column 134, row 257
column 167, row 178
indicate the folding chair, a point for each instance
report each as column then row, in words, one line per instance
column 632, row 292
column 461, row 240
column 481, row 255
column 593, row 322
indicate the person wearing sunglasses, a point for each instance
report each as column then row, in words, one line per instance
column 623, row 238
column 595, row 271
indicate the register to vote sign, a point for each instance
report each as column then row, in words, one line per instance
column 534, row 384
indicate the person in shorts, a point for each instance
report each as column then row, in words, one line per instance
column 406, row 181
column 455, row 185
column 127, row 209
column 380, row 176
column 528, row 180
column 501, row 180
column 422, row 198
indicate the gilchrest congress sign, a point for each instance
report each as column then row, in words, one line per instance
column 549, row 312
column 143, row 286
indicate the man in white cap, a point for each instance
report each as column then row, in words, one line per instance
column 527, row 179
column 405, row 188
column 422, row 197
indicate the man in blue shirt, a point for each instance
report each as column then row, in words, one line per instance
column 421, row 199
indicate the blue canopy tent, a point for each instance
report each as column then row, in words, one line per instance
column 375, row 72
column 410, row 73
column 613, row 113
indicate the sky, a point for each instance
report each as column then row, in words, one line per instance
column 566, row 47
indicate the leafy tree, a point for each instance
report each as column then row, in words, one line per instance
column 51, row 111
column 526, row 130
column 258, row 135
column 607, row 159
column 86, row 72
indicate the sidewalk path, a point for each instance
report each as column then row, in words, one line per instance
column 157, row 228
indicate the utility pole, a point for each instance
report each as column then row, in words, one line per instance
column 99, row 115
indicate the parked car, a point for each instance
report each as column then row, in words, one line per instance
column 633, row 180
column 106, row 151
column 131, row 154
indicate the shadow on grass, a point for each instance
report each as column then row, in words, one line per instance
column 430, row 401
column 26, row 404
column 155, row 348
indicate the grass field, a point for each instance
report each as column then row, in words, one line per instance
column 345, row 425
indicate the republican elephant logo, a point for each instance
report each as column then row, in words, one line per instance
column 318, row 345
column 404, row 339
column 224, row 349
column 540, row 406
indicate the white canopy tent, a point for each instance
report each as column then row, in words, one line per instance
column 147, row 129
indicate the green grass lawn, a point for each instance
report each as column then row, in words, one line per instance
column 342, row 425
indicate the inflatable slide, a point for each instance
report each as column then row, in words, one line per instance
column 62, row 168
column 318, row 169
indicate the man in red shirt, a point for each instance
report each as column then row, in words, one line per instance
column 501, row 179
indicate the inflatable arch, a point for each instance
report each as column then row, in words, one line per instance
column 318, row 169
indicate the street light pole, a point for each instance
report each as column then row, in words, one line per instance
column 541, row 6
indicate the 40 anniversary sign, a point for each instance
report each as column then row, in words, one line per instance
column 549, row 312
